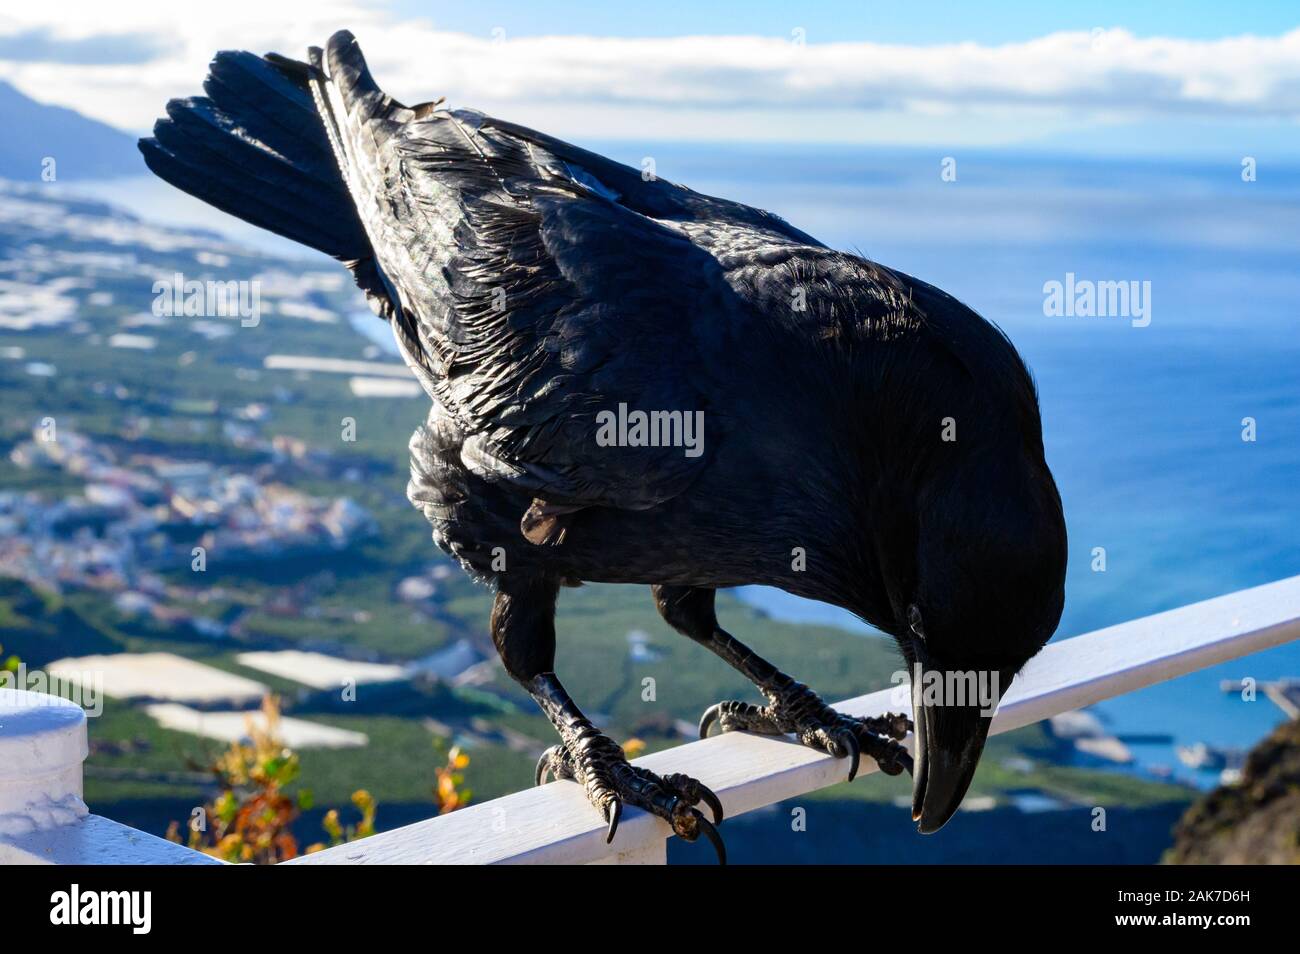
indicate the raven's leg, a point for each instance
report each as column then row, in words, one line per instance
column 523, row 629
column 791, row 706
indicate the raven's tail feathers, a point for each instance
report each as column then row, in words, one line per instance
column 255, row 147
column 291, row 147
column 353, row 109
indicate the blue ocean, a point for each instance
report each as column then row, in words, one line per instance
column 1143, row 424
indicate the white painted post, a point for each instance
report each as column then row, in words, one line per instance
column 43, row 819
column 42, row 746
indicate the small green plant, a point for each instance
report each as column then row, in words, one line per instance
column 339, row 834
column 250, row 819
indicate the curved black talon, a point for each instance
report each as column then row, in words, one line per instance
column 615, row 814
column 714, row 803
column 543, row 767
column 711, row 833
column 893, row 759
column 709, row 717
column 893, row 766
column 855, row 754
column 552, row 762
column 611, row 781
column 692, row 791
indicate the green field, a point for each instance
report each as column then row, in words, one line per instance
column 398, row 764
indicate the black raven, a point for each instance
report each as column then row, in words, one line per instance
column 635, row 383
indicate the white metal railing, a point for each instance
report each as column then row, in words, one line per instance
column 555, row 824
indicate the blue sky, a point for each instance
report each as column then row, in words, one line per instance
column 920, row 22
column 1196, row 78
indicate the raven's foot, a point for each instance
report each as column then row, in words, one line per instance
column 794, row 708
column 597, row 763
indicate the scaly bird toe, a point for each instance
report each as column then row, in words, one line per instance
column 795, row 709
column 611, row 781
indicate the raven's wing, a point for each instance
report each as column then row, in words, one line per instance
column 554, row 305
column 642, row 191
column 541, row 285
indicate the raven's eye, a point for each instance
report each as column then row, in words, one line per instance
column 914, row 622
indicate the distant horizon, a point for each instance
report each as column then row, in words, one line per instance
column 866, row 174
column 1204, row 151
column 1108, row 80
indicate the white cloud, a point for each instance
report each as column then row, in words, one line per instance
column 690, row 87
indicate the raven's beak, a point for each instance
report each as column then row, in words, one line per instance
column 949, row 740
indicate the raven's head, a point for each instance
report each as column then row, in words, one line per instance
column 933, row 485
column 986, row 594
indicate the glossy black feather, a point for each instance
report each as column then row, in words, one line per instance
column 533, row 285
